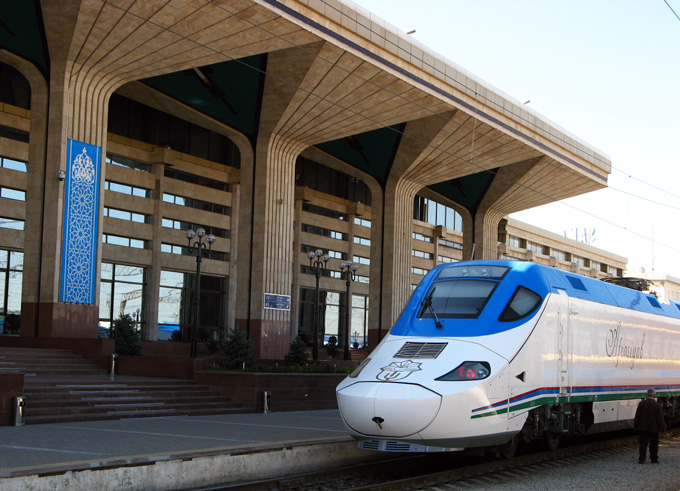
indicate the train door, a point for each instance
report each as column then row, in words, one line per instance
column 564, row 348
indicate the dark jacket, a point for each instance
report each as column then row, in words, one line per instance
column 649, row 416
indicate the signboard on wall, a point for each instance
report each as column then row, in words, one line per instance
column 276, row 302
column 81, row 215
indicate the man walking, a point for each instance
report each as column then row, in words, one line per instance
column 648, row 423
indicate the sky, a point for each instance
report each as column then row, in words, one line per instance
column 607, row 71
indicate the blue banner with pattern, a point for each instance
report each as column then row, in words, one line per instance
column 81, row 214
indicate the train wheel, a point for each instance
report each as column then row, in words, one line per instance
column 509, row 450
column 551, row 441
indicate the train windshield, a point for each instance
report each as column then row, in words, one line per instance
column 464, row 298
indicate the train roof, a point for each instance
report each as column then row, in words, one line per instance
column 585, row 288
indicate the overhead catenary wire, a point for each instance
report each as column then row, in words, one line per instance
column 401, row 133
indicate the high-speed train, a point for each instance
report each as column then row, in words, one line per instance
column 490, row 353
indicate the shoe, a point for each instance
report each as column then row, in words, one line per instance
column 641, row 461
column 655, row 461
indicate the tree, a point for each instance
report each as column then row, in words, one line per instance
column 126, row 336
column 238, row 349
column 297, row 353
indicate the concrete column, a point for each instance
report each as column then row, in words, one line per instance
column 153, row 273
column 266, row 246
column 77, row 109
column 37, row 182
column 233, row 285
column 398, row 231
column 492, row 209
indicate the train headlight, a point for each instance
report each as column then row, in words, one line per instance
column 355, row 373
column 468, row 370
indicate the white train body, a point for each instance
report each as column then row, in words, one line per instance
column 545, row 353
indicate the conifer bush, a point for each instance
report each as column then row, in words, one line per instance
column 297, row 353
column 238, row 349
column 125, row 334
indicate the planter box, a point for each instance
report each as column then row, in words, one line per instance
column 161, row 366
column 289, row 391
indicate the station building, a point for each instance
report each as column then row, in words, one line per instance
column 278, row 126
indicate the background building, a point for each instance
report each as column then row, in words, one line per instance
column 280, row 128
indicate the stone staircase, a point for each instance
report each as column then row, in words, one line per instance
column 60, row 387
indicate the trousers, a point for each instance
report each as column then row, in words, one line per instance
column 652, row 439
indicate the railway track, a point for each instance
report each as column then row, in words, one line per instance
column 442, row 470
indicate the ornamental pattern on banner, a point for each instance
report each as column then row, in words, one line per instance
column 81, row 212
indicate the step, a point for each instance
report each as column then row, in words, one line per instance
column 76, row 418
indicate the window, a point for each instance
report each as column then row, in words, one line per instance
column 182, row 250
column 534, row 247
column 128, row 163
column 514, row 241
column 576, row 283
column 10, row 193
column 11, row 223
column 581, row 261
column 362, row 279
column 359, row 321
column 458, row 298
column 362, row 241
column 125, row 215
column 444, row 259
column 522, row 303
column 330, row 181
column 11, row 278
column 13, row 133
column 561, row 255
column 184, row 226
column 123, row 241
column 334, row 254
column 326, row 212
column 324, row 232
column 176, row 300
column 117, row 187
column 363, row 222
column 427, row 210
column 361, row 260
column 421, row 254
column 653, row 301
column 196, row 203
column 194, row 179
column 134, row 120
column 121, row 292
column 419, row 271
column 326, row 273
column 422, row 237
column 451, row 244
column 8, row 163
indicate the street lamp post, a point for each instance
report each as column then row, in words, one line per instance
column 200, row 248
column 348, row 271
column 317, row 261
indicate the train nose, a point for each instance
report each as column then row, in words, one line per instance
column 387, row 409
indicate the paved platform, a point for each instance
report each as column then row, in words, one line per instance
column 172, row 452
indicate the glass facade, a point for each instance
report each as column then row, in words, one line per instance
column 11, row 277
column 427, row 210
column 122, row 291
column 176, row 304
column 332, row 316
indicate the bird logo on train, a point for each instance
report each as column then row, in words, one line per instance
column 398, row 370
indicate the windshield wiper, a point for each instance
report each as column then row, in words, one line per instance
column 427, row 304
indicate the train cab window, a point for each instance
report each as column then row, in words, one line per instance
column 522, row 303
column 457, row 299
